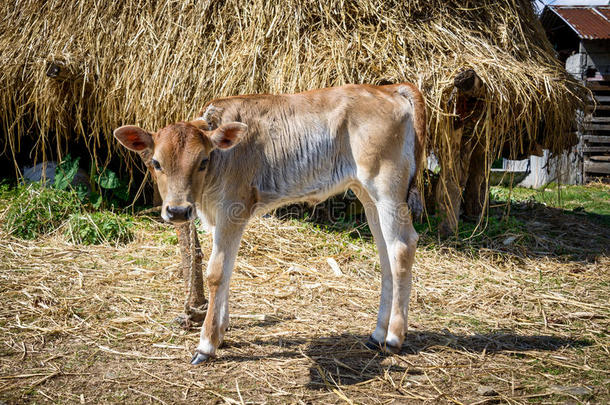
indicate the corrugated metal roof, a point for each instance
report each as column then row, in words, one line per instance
column 587, row 22
column 605, row 11
column 577, row 2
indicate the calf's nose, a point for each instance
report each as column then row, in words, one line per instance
column 179, row 212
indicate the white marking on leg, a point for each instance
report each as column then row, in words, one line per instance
column 205, row 346
column 401, row 240
column 385, row 299
column 223, row 315
column 392, row 340
column 220, row 267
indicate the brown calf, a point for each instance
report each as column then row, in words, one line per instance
column 249, row 154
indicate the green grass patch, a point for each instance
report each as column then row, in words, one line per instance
column 98, row 227
column 34, row 211
column 592, row 198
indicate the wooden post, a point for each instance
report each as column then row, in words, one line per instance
column 468, row 88
column 451, row 183
column 475, row 193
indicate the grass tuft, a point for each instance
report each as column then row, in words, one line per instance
column 33, row 211
column 98, row 227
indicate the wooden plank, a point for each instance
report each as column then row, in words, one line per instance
column 598, row 86
column 597, row 127
column 596, row 138
column 603, row 158
column 598, row 119
column 598, row 107
column 590, row 149
column 597, row 167
column 602, row 99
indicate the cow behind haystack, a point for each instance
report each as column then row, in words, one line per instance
column 249, row 154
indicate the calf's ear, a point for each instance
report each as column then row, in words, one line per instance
column 228, row 135
column 134, row 138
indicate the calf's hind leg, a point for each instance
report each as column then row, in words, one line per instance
column 401, row 241
column 377, row 339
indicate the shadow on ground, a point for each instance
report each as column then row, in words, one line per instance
column 344, row 360
column 568, row 234
column 337, row 359
column 521, row 229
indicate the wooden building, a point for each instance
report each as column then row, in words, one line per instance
column 580, row 34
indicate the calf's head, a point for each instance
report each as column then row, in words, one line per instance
column 178, row 157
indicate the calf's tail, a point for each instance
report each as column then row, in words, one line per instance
column 414, row 200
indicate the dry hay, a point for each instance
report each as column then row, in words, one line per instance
column 500, row 323
column 151, row 63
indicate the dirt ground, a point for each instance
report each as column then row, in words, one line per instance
column 515, row 318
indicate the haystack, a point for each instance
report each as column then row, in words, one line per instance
column 76, row 70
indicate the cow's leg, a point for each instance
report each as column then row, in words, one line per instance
column 227, row 235
column 385, row 301
column 401, row 241
column 393, row 226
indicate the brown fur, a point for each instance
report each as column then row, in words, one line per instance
column 249, row 154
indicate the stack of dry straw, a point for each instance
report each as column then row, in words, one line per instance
column 154, row 62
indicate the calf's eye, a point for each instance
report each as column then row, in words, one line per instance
column 156, row 164
column 203, row 165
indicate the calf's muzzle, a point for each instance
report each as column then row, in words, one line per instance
column 179, row 213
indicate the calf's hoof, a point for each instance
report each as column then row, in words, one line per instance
column 199, row 358
column 373, row 344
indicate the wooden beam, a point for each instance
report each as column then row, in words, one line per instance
column 597, row 167
column 597, row 127
column 591, row 149
column 598, row 86
column 475, row 192
column 598, row 77
column 596, row 138
column 598, row 107
column 598, row 119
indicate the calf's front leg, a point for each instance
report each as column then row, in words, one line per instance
column 227, row 236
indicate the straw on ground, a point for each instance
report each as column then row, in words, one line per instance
column 515, row 322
